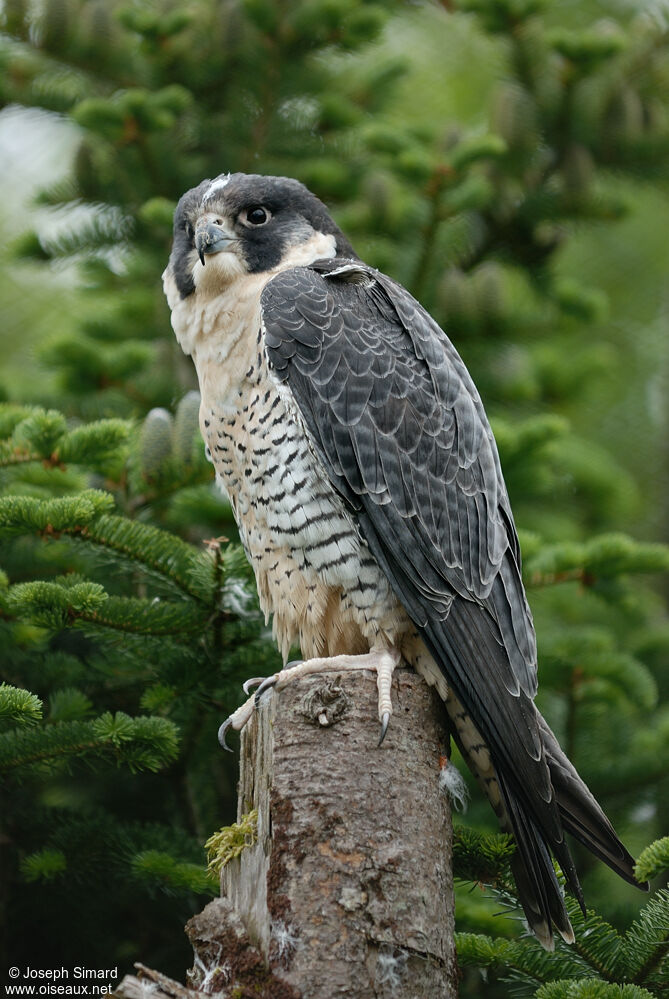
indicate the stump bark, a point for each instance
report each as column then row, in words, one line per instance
column 348, row 890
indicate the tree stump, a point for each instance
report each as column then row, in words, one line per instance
column 348, row 890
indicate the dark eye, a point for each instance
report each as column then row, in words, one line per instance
column 257, row 215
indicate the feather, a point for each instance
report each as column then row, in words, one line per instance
column 400, row 429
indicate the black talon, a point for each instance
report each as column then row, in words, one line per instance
column 268, row 682
column 221, row 735
column 384, row 727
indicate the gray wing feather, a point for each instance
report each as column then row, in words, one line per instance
column 396, row 414
column 401, row 431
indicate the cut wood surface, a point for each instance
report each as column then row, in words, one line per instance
column 348, row 890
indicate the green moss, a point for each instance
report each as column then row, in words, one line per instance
column 230, row 841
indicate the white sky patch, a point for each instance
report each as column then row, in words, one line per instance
column 36, row 149
column 216, row 185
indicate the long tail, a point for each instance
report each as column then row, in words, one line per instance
column 581, row 814
column 532, row 867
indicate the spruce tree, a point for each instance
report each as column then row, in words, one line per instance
column 121, row 628
column 113, row 607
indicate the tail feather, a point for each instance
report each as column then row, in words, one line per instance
column 541, row 795
column 532, row 868
column 581, row 814
column 531, row 865
column 538, row 888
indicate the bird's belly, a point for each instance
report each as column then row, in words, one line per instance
column 315, row 574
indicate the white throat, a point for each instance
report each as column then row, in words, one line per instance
column 219, row 323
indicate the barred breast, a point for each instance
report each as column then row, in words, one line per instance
column 314, row 573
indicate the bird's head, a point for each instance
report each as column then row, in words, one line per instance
column 241, row 224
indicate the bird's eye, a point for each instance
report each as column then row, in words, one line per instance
column 257, row 215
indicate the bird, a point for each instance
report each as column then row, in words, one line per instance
column 366, row 484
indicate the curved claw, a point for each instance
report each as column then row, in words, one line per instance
column 384, row 727
column 221, row 735
column 252, row 682
column 268, row 682
column 293, row 662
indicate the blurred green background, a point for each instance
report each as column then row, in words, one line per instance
column 507, row 161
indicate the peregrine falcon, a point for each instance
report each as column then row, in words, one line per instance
column 366, row 484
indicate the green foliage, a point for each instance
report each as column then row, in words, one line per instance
column 174, row 877
column 600, row 956
column 45, row 865
column 19, row 707
column 500, row 157
column 524, row 959
column 43, row 436
column 138, row 743
column 588, row 989
column 481, row 857
column 654, row 860
column 603, row 558
column 109, row 615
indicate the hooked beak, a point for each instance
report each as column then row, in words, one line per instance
column 211, row 238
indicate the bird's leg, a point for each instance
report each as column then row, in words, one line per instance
column 382, row 660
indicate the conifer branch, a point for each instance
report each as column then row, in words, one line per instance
column 647, row 941
column 654, row 860
column 483, row 857
column 68, row 602
column 154, row 550
column 148, row 617
column 586, row 988
column 160, row 870
column 83, row 517
column 605, row 557
column 38, row 435
column 597, row 942
column 525, row 958
column 44, row 865
column 138, row 743
column 19, row 707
